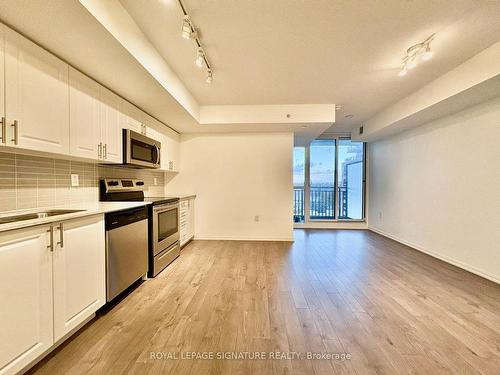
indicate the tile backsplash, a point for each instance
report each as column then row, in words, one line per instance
column 32, row 181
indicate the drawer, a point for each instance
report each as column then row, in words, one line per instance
column 165, row 258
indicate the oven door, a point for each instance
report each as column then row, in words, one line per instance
column 165, row 227
column 140, row 151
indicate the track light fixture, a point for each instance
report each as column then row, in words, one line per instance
column 189, row 32
column 420, row 51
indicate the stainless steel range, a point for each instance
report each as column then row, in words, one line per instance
column 163, row 226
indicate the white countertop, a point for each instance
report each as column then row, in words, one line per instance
column 181, row 196
column 88, row 209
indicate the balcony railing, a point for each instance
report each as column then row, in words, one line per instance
column 298, row 204
column 322, row 205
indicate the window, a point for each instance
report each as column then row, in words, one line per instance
column 322, row 179
column 299, row 179
column 329, row 180
column 350, row 170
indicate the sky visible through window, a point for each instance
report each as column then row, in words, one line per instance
column 322, row 155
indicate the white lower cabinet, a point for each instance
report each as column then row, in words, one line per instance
column 79, row 272
column 49, row 285
column 186, row 220
column 26, row 297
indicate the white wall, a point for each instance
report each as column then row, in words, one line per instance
column 237, row 177
column 437, row 188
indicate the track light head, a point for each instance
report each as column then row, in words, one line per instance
column 187, row 28
column 200, row 58
column 412, row 63
column 210, row 77
column 427, row 54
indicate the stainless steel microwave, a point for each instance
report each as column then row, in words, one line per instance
column 140, row 151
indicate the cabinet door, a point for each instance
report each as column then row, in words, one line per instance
column 132, row 118
column 172, row 154
column 26, row 294
column 111, row 126
column 83, row 115
column 36, row 96
column 3, row 128
column 79, row 272
column 191, row 218
column 184, row 221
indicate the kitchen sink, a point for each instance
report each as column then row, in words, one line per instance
column 35, row 215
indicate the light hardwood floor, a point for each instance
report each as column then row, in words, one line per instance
column 394, row 309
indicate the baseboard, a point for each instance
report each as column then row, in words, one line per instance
column 357, row 225
column 224, row 238
column 444, row 258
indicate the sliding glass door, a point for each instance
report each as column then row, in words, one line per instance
column 322, row 179
column 350, row 179
column 329, row 180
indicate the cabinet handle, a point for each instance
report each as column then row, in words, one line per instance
column 51, row 233
column 105, row 151
column 15, row 125
column 4, row 131
column 61, row 235
column 99, row 150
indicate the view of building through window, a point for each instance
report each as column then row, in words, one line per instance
column 336, row 181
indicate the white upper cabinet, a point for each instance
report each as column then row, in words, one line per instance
column 95, row 120
column 169, row 153
column 84, row 118
column 152, row 126
column 133, row 118
column 46, row 105
column 79, row 272
column 111, row 126
column 3, row 125
column 36, row 96
column 26, row 290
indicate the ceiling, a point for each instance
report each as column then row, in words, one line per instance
column 291, row 51
column 267, row 52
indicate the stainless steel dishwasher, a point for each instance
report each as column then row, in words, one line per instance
column 126, row 249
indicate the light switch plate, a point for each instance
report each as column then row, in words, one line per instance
column 75, row 180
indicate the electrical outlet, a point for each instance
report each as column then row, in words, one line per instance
column 75, row 180
column 380, row 215
column 155, row 181
column 256, row 218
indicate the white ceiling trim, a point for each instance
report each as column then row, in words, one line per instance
column 259, row 114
